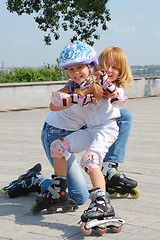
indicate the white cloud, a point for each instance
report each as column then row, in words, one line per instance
column 113, row 25
column 20, row 41
column 19, row 37
column 14, row 33
column 139, row 17
column 158, row 33
column 125, row 29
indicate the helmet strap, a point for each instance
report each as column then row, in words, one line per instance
column 90, row 72
column 90, row 68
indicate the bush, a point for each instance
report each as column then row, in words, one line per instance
column 48, row 73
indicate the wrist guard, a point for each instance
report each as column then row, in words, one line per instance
column 119, row 100
column 81, row 100
column 59, row 99
column 106, row 84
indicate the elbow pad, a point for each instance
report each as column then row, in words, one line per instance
column 106, row 84
column 119, row 100
column 59, row 99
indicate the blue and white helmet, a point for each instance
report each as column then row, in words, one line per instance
column 77, row 53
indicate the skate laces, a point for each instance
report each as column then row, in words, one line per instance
column 99, row 205
column 99, row 201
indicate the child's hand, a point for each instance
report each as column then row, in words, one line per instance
column 101, row 93
column 94, row 100
column 98, row 74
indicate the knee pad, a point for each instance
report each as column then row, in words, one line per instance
column 89, row 161
column 58, row 147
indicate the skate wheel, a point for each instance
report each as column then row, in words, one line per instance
column 101, row 230
column 124, row 195
column 138, row 193
column 70, row 205
column 116, row 230
column 3, row 191
column 51, row 210
column 84, row 230
column 35, row 210
column 112, row 195
column 66, row 209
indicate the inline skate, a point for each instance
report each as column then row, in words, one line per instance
column 54, row 197
column 26, row 183
column 118, row 183
column 100, row 215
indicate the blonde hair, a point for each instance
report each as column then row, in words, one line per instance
column 118, row 55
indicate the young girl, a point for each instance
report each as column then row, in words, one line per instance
column 114, row 62
column 79, row 59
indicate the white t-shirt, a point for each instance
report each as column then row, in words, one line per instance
column 69, row 119
column 74, row 117
column 96, row 115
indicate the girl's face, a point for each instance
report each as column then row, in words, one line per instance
column 78, row 73
column 112, row 70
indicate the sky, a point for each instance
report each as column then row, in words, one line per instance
column 134, row 27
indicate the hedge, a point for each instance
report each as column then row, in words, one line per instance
column 48, row 73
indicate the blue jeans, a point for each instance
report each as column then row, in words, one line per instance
column 77, row 186
column 117, row 151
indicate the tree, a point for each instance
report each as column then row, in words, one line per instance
column 83, row 17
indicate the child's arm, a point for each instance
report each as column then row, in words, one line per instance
column 117, row 98
column 62, row 99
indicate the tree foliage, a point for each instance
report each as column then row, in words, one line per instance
column 83, row 17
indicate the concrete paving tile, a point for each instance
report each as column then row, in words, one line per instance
column 157, row 238
column 145, row 220
column 6, row 225
column 33, row 236
column 21, row 149
column 131, row 229
column 149, row 208
column 129, row 216
column 114, row 236
column 18, row 231
column 143, row 234
column 155, row 225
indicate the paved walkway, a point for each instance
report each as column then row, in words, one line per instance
column 20, row 149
